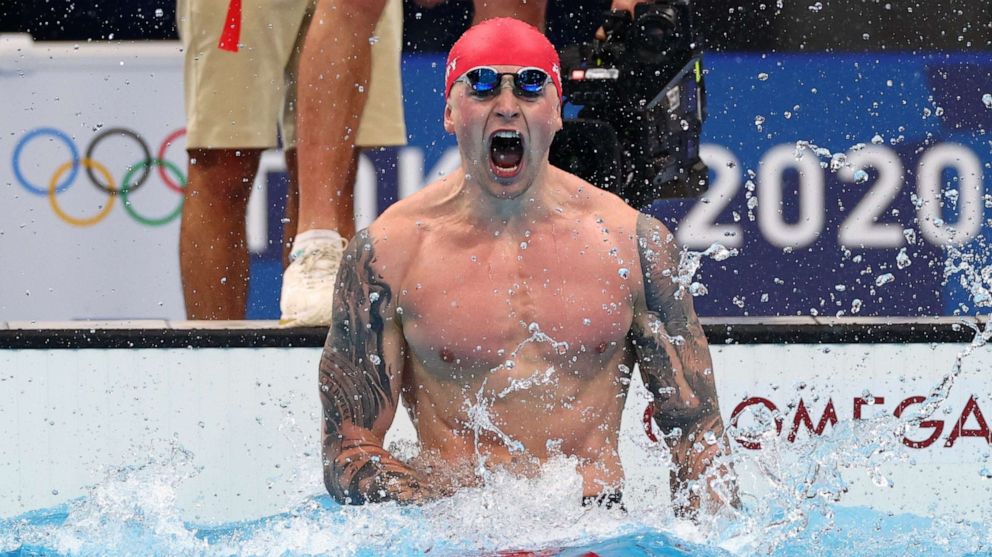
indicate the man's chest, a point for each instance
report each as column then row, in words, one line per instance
column 553, row 300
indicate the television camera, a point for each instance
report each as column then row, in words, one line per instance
column 641, row 103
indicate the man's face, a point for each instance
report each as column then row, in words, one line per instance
column 503, row 138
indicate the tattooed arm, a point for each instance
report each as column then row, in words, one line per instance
column 674, row 360
column 360, row 376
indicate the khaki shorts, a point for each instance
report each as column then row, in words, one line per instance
column 237, row 99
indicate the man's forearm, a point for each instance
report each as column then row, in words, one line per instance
column 366, row 473
column 696, row 475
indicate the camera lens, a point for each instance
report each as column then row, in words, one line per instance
column 654, row 32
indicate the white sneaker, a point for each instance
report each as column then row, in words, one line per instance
column 308, row 282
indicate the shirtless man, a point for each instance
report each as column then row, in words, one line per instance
column 511, row 299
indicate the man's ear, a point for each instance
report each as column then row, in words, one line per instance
column 449, row 123
column 558, row 120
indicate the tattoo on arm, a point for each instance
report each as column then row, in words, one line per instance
column 356, row 383
column 674, row 356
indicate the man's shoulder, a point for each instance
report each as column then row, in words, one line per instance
column 417, row 206
column 395, row 236
column 605, row 206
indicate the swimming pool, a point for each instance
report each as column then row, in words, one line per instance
column 127, row 441
column 513, row 517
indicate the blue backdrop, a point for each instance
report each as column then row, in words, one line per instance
column 896, row 151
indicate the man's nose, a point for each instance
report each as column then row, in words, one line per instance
column 507, row 105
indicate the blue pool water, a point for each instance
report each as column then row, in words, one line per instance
column 122, row 516
column 310, row 530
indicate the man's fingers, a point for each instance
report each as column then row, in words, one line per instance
column 616, row 6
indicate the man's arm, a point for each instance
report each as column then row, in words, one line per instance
column 674, row 360
column 360, row 376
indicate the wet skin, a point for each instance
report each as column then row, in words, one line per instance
column 507, row 313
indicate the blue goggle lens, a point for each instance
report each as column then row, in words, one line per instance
column 485, row 82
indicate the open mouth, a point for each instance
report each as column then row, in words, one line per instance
column 506, row 151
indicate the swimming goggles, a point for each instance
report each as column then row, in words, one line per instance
column 485, row 82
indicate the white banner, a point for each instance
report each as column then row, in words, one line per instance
column 250, row 418
column 71, row 249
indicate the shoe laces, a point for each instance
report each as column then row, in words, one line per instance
column 323, row 258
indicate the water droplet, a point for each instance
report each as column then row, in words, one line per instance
column 882, row 280
column 523, row 245
column 586, row 321
column 838, row 161
column 698, row 289
column 762, row 76
column 374, row 297
column 860, row 176
column 987, row 100
column 903, row 260
column 840, row 287
column 159, row 12
column 373, row 39
column 719, row 252
column 624, row 272
column 55, row 492
column 376, row 360
column 877, row 140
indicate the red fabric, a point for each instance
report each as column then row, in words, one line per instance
column 502, row 41
column 231, row 35
column 648, row 418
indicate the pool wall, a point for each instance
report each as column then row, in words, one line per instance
column 81, row 400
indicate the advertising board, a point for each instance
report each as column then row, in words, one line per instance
column 232, row 433
column 844, row 182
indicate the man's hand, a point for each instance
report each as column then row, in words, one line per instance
column 700, row 479
column 618, row 6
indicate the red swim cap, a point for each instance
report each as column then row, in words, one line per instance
column 503, row 41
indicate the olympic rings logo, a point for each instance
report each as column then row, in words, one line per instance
column 134, row 178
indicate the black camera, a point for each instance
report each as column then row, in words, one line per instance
column 642, row 105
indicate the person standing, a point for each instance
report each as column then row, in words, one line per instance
column 240, row 83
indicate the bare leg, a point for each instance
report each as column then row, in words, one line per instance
column 292, row 205
column 531, row 11
column 335, row 68
column 213, row 251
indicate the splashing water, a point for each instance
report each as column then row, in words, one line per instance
column 480, row 418
column 689, row 263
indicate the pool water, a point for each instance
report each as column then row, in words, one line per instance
column 133, row 512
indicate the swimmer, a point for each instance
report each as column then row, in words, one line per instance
column 507, row 304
